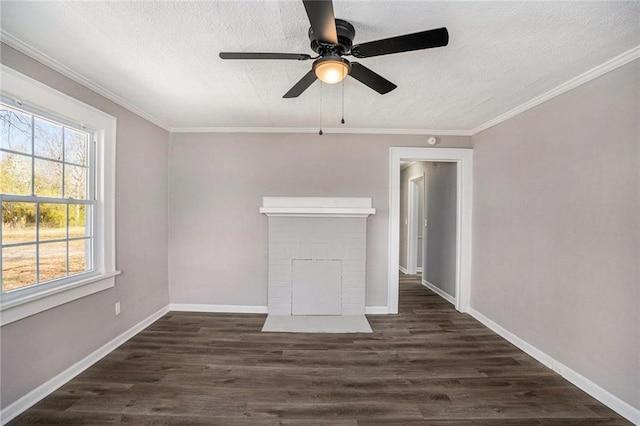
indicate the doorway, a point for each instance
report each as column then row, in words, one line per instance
column 463, row 158
column 415, row 235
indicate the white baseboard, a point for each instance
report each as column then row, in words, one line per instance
column 236, row 309
column 446, row 296
column 251, row 309
column 607, row 398
column 419, row 270
column 376, row 310
column 403, row 269
column 22, row 404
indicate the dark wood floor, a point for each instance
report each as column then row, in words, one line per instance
column 429, row 365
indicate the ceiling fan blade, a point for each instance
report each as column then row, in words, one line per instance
column 404, row 43
column 369, row 78
column 248, row 55
column 301, row 85
column 323, row 22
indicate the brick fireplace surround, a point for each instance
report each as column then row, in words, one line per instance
column 328, row 237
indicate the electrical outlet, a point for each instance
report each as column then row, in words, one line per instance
column 117, row 308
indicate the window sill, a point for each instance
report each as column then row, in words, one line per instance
column 16, row 308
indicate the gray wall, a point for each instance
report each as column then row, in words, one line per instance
column 556, row 229
column 218, row 239
column 39, row 347
column 441, row 211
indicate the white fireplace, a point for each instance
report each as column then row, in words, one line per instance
column 317, row 255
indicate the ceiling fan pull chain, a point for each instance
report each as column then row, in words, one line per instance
column 320, row 132
column 342, row 120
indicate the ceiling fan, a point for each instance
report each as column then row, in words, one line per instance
column 332, row 39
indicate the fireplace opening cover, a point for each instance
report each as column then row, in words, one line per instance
column 316, row 287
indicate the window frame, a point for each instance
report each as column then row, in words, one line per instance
column 37, row 98
column 38, row 200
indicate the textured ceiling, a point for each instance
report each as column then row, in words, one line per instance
column 162, row 57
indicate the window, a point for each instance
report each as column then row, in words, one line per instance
column 57, row 198
column 47, row 178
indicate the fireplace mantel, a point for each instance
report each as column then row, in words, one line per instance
column 317, row 206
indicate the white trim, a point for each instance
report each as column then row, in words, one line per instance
column 333, row 130
column 28, row 400
column 376, row 310
column 237, row 309
column 412, row 228
column 607, row 398
column 318, row 202
column 419, row 270
column 464, row 158
column 34, row 94
column 249, row 309
column 46, row 60
column 315, row 212
column 446, row 296
column 317, row 206
column 15, row 309
column 583, row 78
column 403, row 269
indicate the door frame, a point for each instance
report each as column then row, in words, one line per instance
column 412, row 231
column 463, row 157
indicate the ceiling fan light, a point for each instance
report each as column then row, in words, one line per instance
column 331, row 71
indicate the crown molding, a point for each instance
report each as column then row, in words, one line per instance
column 583, row 78
column 327, row 130
column 44, row 59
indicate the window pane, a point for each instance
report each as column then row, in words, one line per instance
column 48, row 178
column 79, row 221
column 79, row 252
column 75, row 182
column 15, row 130
column 47, row 138
column 18, row 267
column 75, row 147
column 18, row 222
column 53, row 221
column 15, row 174
column 53, row 261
